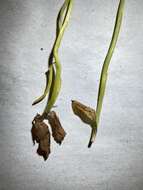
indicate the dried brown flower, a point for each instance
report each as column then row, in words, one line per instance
column 86, row 114
column 44, row 148
column 40, row 134
column 58, row 132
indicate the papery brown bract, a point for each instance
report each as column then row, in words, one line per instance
column 40, row 134
column 39, row 129
column 44, row 148
column 85, row 113
column 58, row 132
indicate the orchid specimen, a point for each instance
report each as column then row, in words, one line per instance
column 86, row 114
column 40, row 131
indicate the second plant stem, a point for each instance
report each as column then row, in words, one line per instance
column 104, row 72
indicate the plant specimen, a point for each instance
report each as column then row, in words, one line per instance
column 87, row 114
column 40, row 130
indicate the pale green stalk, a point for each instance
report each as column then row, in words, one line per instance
column 62, row 15
column 57, row 81
column 49, row 73
column 104, row 72
column 49, row 76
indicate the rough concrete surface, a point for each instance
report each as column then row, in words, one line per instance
column 116, row 159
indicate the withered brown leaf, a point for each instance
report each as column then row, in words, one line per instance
column 41, row 134
column 85, row 113
column 58, row 132
column 44, row 148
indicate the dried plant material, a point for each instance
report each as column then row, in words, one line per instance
column 58, row 132
column 44, row 148
column 86, row 114
column 40, row 134
column 39, row 129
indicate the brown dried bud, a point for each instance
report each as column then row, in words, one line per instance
column 58, row 132
column 44, row 147
column 86, row 114
column 40, row 134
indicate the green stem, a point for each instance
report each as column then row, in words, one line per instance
column 49, row 76
column 61, row 16
column 57, row 81
column 49, row 73
column 104, row 72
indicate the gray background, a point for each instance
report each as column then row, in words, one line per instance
column 116, row 159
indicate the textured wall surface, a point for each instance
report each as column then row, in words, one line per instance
column 116, row 159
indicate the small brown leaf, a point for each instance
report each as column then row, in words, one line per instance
column 86, row 114
column 44, row 148
column 58, row 132
column 40, row 134
column 39, row 129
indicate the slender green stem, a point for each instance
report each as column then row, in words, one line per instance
column 104, row 72
column 49, row 76
column 61, row 16
column 57, row 81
